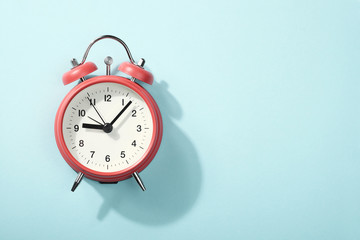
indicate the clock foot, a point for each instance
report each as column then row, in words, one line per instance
column 77, row 181
column 138, row 180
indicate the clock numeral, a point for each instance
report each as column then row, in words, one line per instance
column 81, row 143
column 133, row 113
column 122, row 155
column 76, row 128
column 82, row 113
column 123, row 102
column 92, row 102
column 107, row 158
column 92, row 153
column 107, row 98
column 138, row 128
column 134, row 143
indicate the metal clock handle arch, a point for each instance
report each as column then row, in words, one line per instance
column 111, row 37
column 108, row 60
column 135, row 71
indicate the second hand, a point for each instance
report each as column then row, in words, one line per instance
column 95, row 121
column 96, row 110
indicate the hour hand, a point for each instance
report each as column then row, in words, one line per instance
column 92, row 126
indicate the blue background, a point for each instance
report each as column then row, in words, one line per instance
column 260, row 107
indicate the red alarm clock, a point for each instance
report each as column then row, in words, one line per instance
column 108, row 128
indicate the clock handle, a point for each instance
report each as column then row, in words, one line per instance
column 111, row 37
column 138, row 180
column 77, row 181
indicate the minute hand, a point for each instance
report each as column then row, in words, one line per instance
column 121, row 112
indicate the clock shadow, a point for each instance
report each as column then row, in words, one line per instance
column 173, row 179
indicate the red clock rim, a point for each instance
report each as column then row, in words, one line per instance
column 145, row 159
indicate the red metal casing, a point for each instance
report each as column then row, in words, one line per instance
column 144, row 160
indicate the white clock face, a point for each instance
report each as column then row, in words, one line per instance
column 107, row 127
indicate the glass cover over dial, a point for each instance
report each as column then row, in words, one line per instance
column 107, row 127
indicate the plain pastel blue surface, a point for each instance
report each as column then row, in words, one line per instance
column 261, row 120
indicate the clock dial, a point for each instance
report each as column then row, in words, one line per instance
column 107, row 127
